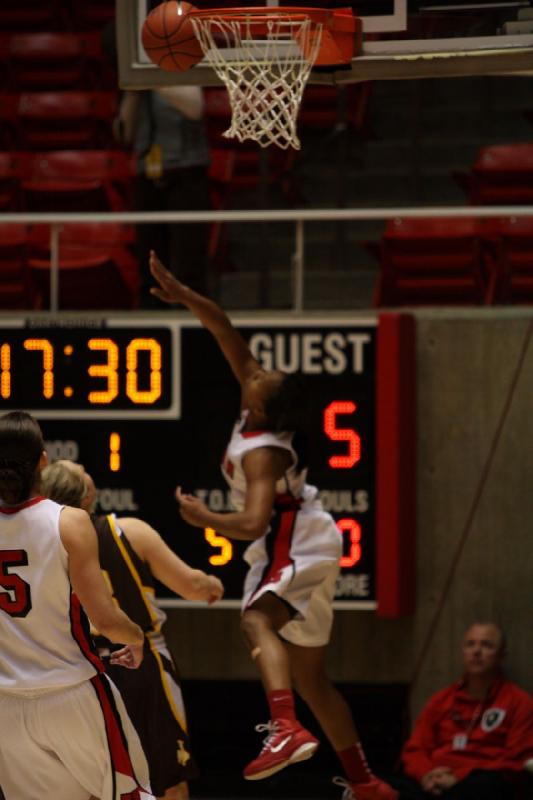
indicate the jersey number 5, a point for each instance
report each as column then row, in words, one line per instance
column 16, row 600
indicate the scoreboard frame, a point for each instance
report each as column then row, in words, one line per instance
column 126, row 372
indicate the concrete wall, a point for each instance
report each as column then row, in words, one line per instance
column 467, row 361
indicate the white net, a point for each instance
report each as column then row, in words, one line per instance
column 265, row 62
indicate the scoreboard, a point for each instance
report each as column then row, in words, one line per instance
column 148, row 403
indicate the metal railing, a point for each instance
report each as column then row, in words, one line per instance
column 298, row 216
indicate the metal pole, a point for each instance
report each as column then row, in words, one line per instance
column 268, row 215
column 298, row 267
column 54, row 267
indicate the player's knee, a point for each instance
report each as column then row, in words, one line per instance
column 253, row 623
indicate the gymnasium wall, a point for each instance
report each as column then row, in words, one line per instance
column 466, row 364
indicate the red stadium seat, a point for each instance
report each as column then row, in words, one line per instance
column 33, row 15
column 97, row 278
column 9, row 186
column 96, row 262
column 430, row 262
column 509, row 255
column 16, row 290
column 79, row 180
column 82, row 235
column 59, row 120
column 501, row 175
column 94, row 14
column 52, row 61
column 100, row 234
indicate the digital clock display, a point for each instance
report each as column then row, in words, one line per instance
column 90, row 373
column 150, row 405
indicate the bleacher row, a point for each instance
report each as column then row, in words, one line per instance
column 55, row 15
column 97, row 267
column 58, row 153
column 455, row 261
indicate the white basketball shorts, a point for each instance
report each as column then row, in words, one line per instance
column 309, row 591
column 71, row 744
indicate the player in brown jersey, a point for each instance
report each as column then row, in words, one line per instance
column 131, row 554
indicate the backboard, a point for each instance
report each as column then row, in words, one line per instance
column 401, row 39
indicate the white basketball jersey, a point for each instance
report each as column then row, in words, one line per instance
column 43, row 629
column 241, row 443
column 300, row 533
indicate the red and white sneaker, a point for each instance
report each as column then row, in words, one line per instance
column 374, row 789
column 287, row 742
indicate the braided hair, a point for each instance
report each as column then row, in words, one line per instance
column 21, row 446
column 288, row 410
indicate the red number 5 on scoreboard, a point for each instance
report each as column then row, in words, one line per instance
column 348, row 435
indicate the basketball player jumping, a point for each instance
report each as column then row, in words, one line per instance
column 293, row 556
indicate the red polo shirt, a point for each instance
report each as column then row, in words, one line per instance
column 457, row 731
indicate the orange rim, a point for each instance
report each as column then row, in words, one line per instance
column 336, row 19
column 339, row 26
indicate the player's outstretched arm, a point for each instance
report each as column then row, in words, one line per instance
column 212, row 317
column 167, row 567
column 80, row 541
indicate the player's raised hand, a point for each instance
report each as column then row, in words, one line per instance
column 170, row 289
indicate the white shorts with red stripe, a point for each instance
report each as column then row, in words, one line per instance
column 71, row 744
column 298, row 560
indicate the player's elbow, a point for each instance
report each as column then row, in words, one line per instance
column 254, row 526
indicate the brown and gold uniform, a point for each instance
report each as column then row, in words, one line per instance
column 151, row 693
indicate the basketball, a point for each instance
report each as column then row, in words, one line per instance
column 168, row 37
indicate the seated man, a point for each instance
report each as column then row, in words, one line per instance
column 473, row 738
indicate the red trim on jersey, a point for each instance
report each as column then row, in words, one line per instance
column 116, row 740
column 282, row 546
column 282, row 540
column 251, row 434
column 26, row 504
column 228, row 466
column 80, row 632
column 287, row 501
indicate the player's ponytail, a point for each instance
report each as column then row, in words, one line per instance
column 21, row 446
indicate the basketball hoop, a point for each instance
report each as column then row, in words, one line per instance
column 264, row 57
